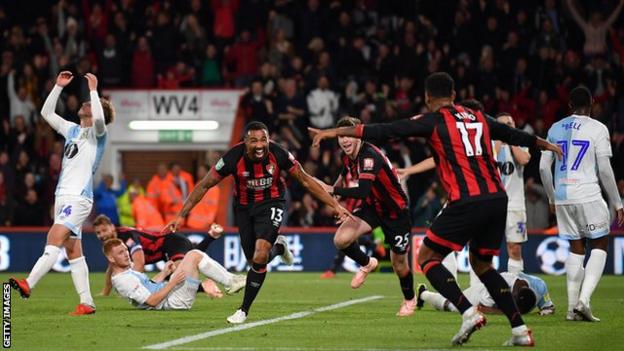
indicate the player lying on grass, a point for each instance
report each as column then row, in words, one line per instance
column 176, row 294
column 147, row 247
column 528, row 292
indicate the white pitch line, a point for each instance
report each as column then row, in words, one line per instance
column 297, row 315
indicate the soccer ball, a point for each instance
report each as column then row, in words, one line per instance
column 552, row 254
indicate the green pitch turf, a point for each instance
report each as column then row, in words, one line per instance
column 42, row 323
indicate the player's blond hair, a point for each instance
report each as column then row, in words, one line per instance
column 109, row 245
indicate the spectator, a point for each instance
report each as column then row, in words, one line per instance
column 111, row 63
column 211, row 68
column 256, row 106
column 224, row 19
column 243, row 57
column 595, row 29
column 291, row 109
column 29, row 211
column 105, row 197
column 142, row 65
column 20, row 103
column 322, row 104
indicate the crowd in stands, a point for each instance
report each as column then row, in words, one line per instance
column 302, row 63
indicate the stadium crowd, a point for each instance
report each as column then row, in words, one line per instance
column 306, row 63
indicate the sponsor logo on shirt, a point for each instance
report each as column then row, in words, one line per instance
column 220, row 164
column 260, row 183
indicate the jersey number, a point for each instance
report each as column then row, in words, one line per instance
column 583, row 144
column 276, row 214
column 463, row 129
column 402, row 241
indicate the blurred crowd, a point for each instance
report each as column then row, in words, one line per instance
column 306, row 63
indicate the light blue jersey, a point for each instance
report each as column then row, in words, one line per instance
column 582, row 140
column 137, row 287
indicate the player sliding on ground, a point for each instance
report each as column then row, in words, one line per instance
column 176, row 294
column 528, row 292
column 384, row 204
column 461, row 142
column 582, row 213
column 257, row 165
column 84, row 147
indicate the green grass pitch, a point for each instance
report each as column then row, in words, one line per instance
column 42, row 323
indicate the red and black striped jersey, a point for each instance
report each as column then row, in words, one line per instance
column 349, row 180
column 461, row 142
column 386, row 195
column 256, row 182
column 150, row 242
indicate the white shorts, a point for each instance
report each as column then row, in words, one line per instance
column 589, row 220
column 72, row 211
column 182, row 296
column 516, row 231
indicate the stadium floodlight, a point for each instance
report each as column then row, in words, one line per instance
column 173, row 125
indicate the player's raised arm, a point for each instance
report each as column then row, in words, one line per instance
column 55, row 121
column 211, row 179
column 310, row 184
column 96, row 106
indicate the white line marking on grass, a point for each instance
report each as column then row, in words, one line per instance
column 297, row 315
column 183, row 348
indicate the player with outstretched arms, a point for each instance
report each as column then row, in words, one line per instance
column 582, row 213
column 84, row 148
column 384, row 204
column 461, row 142
column 257, row 165
column 156, row 293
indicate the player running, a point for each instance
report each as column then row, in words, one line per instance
column 384, row 204
column 84, row 148
column 461, row 141
column 528, row 292
column 582, row 213
column 176, row 294
column 151, row 247
column 256, row 165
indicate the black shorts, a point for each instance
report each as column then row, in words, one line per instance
column 397, row 231
column 176, row 246
column 480, row 223
column 261, row 221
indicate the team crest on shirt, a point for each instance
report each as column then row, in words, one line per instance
column 71, row 150
column 270, row 168
column 84, row 134
column 369, row 164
